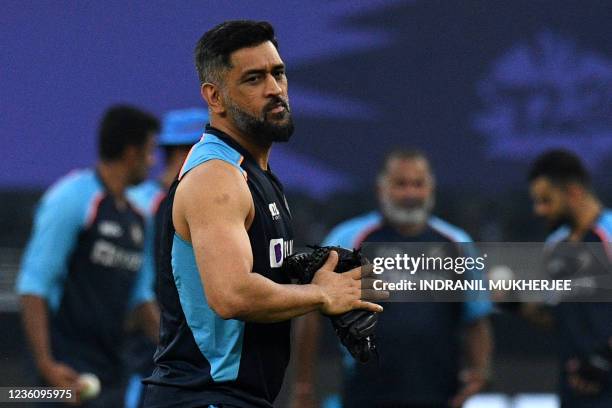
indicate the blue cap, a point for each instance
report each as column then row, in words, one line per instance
column 183, row 127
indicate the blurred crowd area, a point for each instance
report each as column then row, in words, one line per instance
column 500, row 215
column 503, row 215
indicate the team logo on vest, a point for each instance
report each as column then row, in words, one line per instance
column 110, row 229
column 274, row 211
column 279, row 249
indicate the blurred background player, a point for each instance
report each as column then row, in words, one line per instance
column 181, row 129
column 419, row 343
column 561, row 191
column 81, row 273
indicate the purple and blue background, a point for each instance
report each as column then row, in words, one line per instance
column 481, row 86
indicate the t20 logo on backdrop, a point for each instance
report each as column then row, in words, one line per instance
column 547, row 93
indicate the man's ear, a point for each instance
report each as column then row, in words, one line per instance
column 211, row 94
column 432, row 180
column 130, row 153
column 575, row 190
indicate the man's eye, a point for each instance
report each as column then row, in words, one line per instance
column 279, row 74
column 252, row 79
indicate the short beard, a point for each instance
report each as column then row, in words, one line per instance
column 260, row 129
column 402, row 216
column 136, row 179
column 564, row 220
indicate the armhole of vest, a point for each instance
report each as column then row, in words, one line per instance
column 187, row 166
column 236, row 165
column 243, row 171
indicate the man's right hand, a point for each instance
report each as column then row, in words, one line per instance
column 57, row 374
column 341, row 291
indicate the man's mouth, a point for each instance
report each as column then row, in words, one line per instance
column 412, row 205
column 276, row 107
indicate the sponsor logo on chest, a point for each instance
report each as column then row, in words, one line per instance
column 109, row 255
column 110, row 229
column 279, row 250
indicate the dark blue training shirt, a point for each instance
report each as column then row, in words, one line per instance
column 584, row 327
column 419, row 343
column 203, row 359
column 84, row 257
column 149, row 197
column 139, row 347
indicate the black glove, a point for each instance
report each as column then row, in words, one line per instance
column 355, row 328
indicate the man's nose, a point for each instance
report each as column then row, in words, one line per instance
column 272, row 86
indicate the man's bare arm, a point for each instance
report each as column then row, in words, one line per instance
column 478, row 349
column 479, row 345
column 305, row 356
column 146, row 316
column 35, row 318
column 213, row 209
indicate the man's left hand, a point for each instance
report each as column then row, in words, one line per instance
column 583, row 378
column 473, row 381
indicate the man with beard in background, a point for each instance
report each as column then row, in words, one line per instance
column 560, row 188
column 225, row 301
column 419, row 343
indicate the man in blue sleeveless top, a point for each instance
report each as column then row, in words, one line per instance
column 423, row 363
column 561, row 191
column 181, row 129
column 225, row 301
column 82, row 273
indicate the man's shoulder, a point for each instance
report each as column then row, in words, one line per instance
column 77, row 186
column 346, row 233
column 602, row 228
column 71, row 200
column 213, row 190
column 451, row 232
column 605, row 223
column 211, row 147
column 143, row 195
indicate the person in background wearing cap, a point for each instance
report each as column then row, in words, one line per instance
column 181, row 129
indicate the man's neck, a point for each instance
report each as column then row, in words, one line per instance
column 586, row 215
column 261, row 154
column 409, row 230
column 114, row 178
